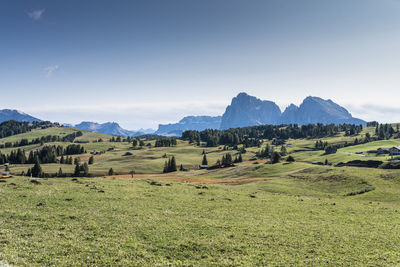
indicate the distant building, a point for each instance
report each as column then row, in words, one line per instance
column 5, row 174
column 201, row 167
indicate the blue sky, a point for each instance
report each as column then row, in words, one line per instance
column 141, row 63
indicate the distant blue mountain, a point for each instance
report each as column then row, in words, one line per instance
column 246, row 110
column 198, row 123
column 12, row 114
column 317, row 110
column 111, row 128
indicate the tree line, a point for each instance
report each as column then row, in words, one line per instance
column 12, row 127
column 47, row 154
column 254, row 135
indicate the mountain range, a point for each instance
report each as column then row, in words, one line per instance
column 12, row 114
column 111, row 128
column 244, row 110
column 198, row 123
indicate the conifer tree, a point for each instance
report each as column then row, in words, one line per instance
column 172, row 166
column 77, row 170
column 204, row 162
column 36, row 170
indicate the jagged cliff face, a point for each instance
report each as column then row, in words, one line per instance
column 198, row 123
column 12, row 114
column 318, row 110
column 246, row 110
column 111, row 128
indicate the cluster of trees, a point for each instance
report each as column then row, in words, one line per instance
column 275, row 156
column 81, row 170
column 319, row 145
column 74, row 149
column 25, row 141
column 170, row 165
column 42, row 140
column 71, row 137
column 165, row 142
column 353, row 130
column 122, row 139
column 9, row 128
column 136, row 142
column 385, row 131
column 253, row 136
column 48, row 154
column 36, row 171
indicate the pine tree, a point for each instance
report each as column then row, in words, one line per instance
column 172, row 167
column 276, row 157
column 204, row 162
column 165, row 170
column 91, row 160
column 111, row 171
column 85, row 169
column 77, row 170
column 36, row 171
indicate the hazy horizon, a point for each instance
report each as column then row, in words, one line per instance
column 144, row 63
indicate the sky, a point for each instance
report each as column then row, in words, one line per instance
column 141, row 63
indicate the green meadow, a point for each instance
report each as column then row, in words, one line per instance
column 254, row 213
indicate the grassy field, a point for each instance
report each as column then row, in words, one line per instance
column 300, row 218
column 255, row 213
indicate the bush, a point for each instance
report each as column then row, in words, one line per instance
column 290, row 159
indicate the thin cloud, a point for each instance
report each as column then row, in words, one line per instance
column 36, row 14
column 50, row 70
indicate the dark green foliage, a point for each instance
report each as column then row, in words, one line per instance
column 91, row 160
column 275, row 158
column 165, row 142
column 111, row 171
column 384, row 131
column 253, row 136
column 170, row 165
column 238, row 159
column 135, row 142
column 74, row 149
column 36, row 170
column 226, row 160
column 290, row 159
column 77, row 170
column 265, row 152
column 9, row 128
column 330, row 149
column 71, row 137
column 204, row 161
